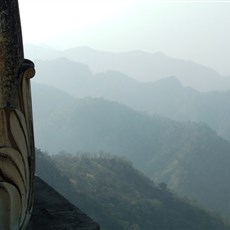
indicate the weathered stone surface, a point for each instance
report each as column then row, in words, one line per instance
column 17, row 167
column 16, row 126
column 53, row 211
column 11, row 51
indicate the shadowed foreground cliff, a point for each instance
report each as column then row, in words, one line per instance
column 53, row 211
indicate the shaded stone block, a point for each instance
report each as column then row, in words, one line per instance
column 52, row 211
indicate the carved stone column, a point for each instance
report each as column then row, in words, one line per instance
column 16, row 127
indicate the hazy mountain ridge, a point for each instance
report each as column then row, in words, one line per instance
column 117, row 196
column 139, row 65
column 166, row 97
column 144, row 66
column 190, row 157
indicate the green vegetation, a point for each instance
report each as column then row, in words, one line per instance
column 118, row 196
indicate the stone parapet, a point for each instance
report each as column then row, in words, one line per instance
column 52, row 211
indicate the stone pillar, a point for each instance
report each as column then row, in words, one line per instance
column 16, row 126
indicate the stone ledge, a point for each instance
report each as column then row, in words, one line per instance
column 53, row 211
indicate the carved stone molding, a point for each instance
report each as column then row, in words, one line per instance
column 16, row 124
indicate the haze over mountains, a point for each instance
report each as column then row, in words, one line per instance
column 189, row 157
column 166, row 97
column 172, row 133
column 142, row 66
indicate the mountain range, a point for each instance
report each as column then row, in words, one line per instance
column 91, row 101
column 166, row 97
column 190, row 157
column 139, row 65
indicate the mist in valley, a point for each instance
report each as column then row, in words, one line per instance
column 132, row 110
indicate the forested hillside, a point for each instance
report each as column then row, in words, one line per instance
column 191, row 158
column 118, row 196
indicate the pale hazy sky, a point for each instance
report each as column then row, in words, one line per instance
column 195, row 30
